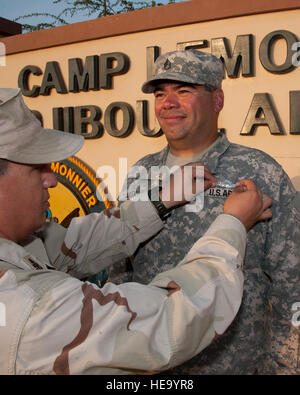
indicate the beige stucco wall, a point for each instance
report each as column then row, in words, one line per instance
column 238, row 92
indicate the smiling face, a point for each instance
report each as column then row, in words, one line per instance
column 187, row 114
column 24, row 199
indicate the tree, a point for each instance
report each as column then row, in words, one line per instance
column 96, row 8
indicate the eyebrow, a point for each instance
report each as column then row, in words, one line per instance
column 179, row 86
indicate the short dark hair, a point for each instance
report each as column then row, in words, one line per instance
column 3, row 166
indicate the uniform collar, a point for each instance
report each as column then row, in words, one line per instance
column 211, row 156
column 22, row 256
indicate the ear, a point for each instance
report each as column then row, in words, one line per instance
column 218, row 100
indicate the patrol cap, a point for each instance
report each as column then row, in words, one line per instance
column 22, row 138
column 192, row 66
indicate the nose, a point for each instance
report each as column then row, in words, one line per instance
column 170, row 100
column 52, row 180
column 49, row 178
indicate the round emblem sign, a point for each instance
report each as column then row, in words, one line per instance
column 78, row 193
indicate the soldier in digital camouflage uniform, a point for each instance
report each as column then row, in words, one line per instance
column 53, row 323
column 262, row 338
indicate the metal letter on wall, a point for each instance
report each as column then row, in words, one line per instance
column 142, row 122
column 107, row 71
column 242, row 54
column 88, row 115
column 152, row 53
column 294, row 112
column 266, row 51
column 23, row 81
column 53, row 79
column 63, row 119
column 57, row 118
column 84, row 78
column 110, row 119
column 262, row 113
column 191, row 45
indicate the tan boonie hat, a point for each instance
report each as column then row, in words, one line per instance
column 22, row 138
column 191, row 66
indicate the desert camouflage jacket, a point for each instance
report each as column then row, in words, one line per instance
column 53, row 323
column 263, row 337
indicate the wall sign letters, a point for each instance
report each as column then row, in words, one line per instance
column 97, row 72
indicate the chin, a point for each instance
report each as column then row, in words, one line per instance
column 43, row 221
column 39, row 223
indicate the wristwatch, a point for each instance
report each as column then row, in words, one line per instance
column 161, row 209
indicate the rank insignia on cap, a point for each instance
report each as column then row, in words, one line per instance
column 167, row 65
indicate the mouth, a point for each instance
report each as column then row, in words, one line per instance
column 46, row 202
column 173, row 117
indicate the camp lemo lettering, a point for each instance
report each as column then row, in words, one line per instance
column 98, row 71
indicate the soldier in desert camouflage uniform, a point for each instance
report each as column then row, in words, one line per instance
column 262, row 338
column 51, row 322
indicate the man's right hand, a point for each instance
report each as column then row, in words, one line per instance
column 248, row 203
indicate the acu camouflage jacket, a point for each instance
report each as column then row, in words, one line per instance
column 262, row 338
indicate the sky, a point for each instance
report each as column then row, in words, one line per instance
column 11, row 9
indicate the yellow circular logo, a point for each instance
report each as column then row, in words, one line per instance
column 78, row 193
